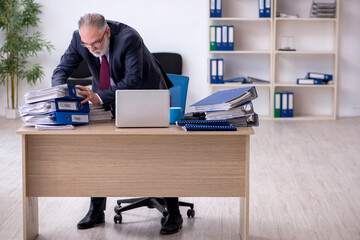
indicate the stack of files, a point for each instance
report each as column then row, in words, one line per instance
column 221, row 38
column 264, row 8
column 226, row 99
column 216, row 71
column 233, row 105
column 64, row 91
column 323, row 9
column 284, row 104
column 99, row 114
column 206, row 125
column 314, row 78
column 215, row 8
column 244, row 80
column 55, row 106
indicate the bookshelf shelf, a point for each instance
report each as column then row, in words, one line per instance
column 256, row 54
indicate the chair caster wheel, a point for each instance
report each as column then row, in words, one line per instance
column 117, row 210
column 118, row 219
column 190, row 213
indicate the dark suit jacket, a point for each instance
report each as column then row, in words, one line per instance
column 131, row 64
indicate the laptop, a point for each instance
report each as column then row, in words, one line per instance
column 142, row 108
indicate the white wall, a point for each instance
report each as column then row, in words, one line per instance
column 181, row 26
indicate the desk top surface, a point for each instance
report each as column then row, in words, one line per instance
column 110, row 129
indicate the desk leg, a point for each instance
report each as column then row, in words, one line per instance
column 30, row 204
column 244, row 218
column 30, row 217
column 244, row 201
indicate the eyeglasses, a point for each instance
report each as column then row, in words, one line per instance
column 94, row 44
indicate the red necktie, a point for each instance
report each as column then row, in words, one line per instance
column 104, row 74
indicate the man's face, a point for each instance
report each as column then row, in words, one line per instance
column 97, row 42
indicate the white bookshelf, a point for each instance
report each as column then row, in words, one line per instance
column 256, row 54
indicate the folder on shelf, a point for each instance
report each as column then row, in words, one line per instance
column 290, row 112
column 65, row 91
column 201, row 127
column 309, row 81
column 220, row 70
column 213, row 71
column 212, row 8
column 226, row 99
column 212, row 38
column 218, row 8
column 236, row 80
column 322, row 76
column 225, row 36
column 54, row 105
column 277, row 105
column 218, row 38
column 261, row 8
column 267, row 8
column 256, row 80
column 284, row 104
column 230, row 38
column 56, row 118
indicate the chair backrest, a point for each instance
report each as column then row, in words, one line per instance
column 171, row 62
column 81, row 75
column 179, row 91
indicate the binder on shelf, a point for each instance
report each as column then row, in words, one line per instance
column 284, row 104
column 322, row 76
column 212, row 38
column 309, row 81
column 256, row 80
column 218, row 38
column 277, row 105
column 225, row 35
column 213, row 71
column 290, row 112
column 64, row 91
column 220, row 71
column 261, row 8
column 218, row 8
column 267, row 8
column 226, row 99
column 220, row 122
column 200, row 127
column 212, row 8
column 236, row 80
column 230, row 38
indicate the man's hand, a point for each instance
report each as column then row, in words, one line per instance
column 88, row 94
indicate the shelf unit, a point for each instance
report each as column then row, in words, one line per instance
column 256, row 54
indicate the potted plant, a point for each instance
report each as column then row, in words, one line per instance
column 18, row 19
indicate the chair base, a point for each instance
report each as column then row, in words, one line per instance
column 150, row 202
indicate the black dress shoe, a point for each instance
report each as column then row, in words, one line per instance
column 172, row 224
column 91, row 219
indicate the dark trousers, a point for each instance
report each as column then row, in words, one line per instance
column 99, row 204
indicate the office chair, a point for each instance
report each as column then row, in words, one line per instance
column 81, row 75
column 178, row 99
column 171, row 62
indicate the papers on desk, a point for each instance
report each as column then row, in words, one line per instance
column 99, row 114
column 244, row 110
column 54, row 127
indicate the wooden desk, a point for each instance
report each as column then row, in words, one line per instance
column 102, row 160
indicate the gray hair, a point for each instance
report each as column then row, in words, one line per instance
column 93, row 20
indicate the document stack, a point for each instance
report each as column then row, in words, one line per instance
column 323, row 9
column 232, row 108
column 314, row 78
column 284, row 104
column 56, row 106
column 98, row 114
